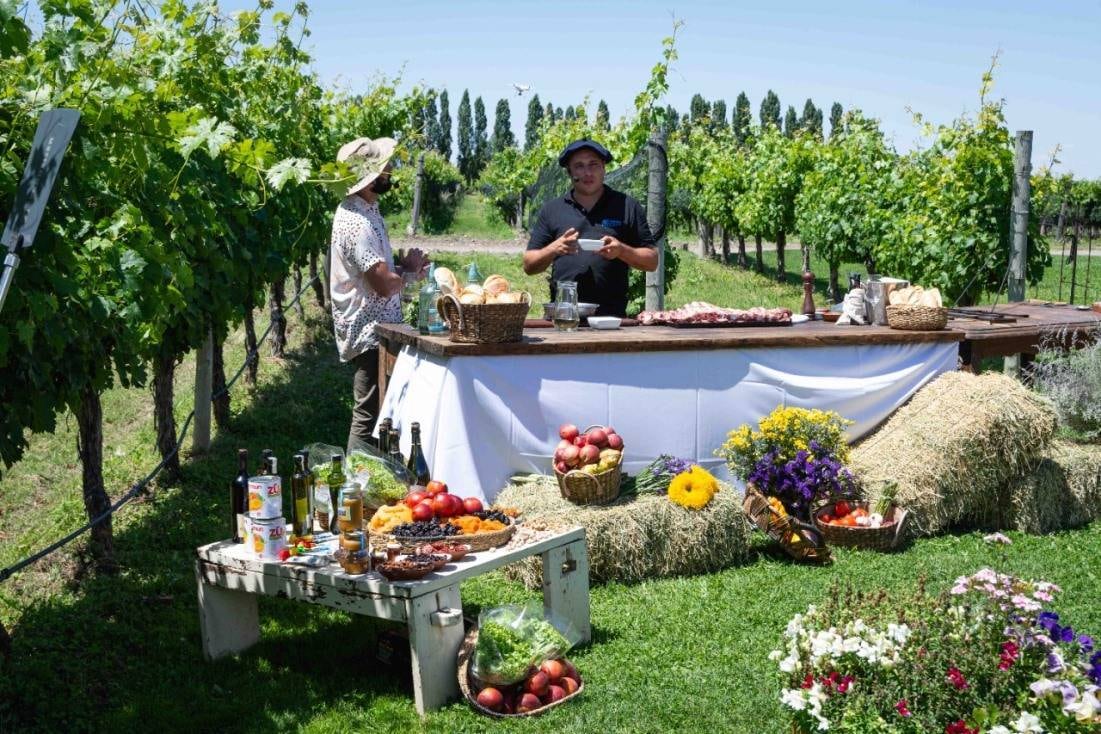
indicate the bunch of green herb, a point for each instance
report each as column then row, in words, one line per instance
column 503, row 655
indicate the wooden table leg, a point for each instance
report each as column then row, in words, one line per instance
column 435, row 635
column 228, row 619
column 566, row 585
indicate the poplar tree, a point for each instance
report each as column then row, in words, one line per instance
column 443, row 142
column 467, row 160
column 535, row 119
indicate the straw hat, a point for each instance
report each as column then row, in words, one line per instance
column 368, row 158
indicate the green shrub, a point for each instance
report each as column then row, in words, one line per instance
column 1072, row 381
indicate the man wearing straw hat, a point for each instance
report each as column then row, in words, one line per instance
column 364, row 286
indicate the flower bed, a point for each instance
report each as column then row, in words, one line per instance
column 990, row 656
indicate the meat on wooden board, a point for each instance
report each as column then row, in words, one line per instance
column 701, row 312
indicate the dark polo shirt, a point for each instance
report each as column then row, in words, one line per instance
column 598, row 280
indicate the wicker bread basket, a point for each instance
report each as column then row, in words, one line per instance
column 882, row 538
column 485, row 323
column 468, row 683
column 916, row 318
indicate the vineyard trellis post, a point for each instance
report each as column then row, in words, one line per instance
column 657, row 182
column 1018, row 224
column 204, row 375
column 418, row 188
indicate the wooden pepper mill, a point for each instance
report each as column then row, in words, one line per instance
column 808, row 293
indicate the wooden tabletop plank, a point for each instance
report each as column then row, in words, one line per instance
column 666, row 339
column 1032, row 320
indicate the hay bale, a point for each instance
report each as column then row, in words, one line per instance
column 635, row 538
column 955, row 446
column 1062, row 492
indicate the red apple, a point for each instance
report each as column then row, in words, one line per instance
column 598, row 437
column 423, row 510
column 415, row 498
column 569, row 685
column 615, row 441
column 571, row 455
column 537, row 683
column 567, row 431
column 590, row 454
column 528, row 702
column 491, row 698
column 554, row 669
column 454, row 504
column 441, row 505
column 472, row 505
column 555, row 693
column 562, row 467
column 434, row 488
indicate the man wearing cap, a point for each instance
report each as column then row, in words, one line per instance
column 591, row 210
column 365, row 289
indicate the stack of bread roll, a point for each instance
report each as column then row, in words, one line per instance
column 495, row 289
column 915, row 295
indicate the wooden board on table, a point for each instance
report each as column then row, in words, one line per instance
column 664, row 339
column 730, row 324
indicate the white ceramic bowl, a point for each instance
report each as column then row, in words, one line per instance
column 590, row 245
column 605, row 322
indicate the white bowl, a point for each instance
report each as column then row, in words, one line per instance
column 605, row 322
column 590, row 245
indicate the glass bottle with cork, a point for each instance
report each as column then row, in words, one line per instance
column 384, row 436
column 336, row 479
column 301, row 510
column 417, row 465
column 239, row 497
column 264, row 456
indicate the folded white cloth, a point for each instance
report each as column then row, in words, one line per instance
column 852, row 308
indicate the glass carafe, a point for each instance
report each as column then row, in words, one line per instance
column 566, row 316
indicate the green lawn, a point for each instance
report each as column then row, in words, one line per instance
column 103, row 653
column 471, row 220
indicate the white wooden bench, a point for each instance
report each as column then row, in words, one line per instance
column 229, row 577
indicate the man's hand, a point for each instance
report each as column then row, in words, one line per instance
column 612, row 250
column 414, row 263
column 564, row 245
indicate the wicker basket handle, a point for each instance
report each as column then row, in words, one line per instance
column 451, row 310
column 900, row 534
column 588, row 478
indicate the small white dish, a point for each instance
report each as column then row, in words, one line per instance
column 605, row 322
column 799, row 318
column 590, row 245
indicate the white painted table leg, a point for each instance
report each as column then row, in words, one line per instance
column 435, row 635
column 566, row 585
column 228, row 620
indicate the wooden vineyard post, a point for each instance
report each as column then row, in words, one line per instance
column 204, row 376
column 1018, row 253
column 655, row 216
column 418, row 189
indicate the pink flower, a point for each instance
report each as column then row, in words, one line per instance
column 955, row 677
column 959, row 727
column 808, row 681
column 901, row 708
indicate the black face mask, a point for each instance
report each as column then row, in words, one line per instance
column 382, row 184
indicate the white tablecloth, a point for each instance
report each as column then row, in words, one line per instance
column 486, row 418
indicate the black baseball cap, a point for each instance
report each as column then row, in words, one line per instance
column 577, row 145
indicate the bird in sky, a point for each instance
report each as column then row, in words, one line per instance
column 521, row 88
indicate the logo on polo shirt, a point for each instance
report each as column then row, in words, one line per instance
column 611, row 223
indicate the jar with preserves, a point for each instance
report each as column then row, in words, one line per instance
column 350, row 508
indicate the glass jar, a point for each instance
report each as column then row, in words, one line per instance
column 349, row 516
column 566, row 316
column 354, row 554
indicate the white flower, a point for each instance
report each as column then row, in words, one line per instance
column 793, row 698
column 999, row 729
column 775, row 655
column 1028, row 723
column 997, row 538
column 1085, row 708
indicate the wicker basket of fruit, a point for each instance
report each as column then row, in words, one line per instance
column 559, row 682
column 481, row 531
column 588, row 465
column 853, row 525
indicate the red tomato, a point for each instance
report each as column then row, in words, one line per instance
column 841, row 508
column 434, row 488
column 827, row 518
column 415, row 498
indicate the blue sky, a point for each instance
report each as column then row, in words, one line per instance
column 880, row 56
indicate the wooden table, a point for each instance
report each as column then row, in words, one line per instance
column 1035, row 324
column 230, row 577
column 393, row 337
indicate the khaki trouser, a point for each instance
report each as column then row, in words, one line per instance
column 366, row 404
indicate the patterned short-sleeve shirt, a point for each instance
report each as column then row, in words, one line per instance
column 359, row 242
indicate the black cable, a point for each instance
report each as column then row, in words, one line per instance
column 137, row 488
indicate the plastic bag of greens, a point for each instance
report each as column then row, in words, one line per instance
column 320, row 463
column 513, row 639
column 383, row 480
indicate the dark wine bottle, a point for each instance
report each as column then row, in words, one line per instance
column 417, row 465
column 239, row 497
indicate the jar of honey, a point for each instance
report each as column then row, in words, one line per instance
column 350, row 508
